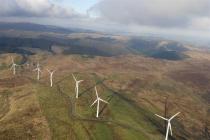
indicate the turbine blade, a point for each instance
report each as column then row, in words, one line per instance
column 170, row 128
column 48, row 70
column 74, row 77
column 11, row 67
column 35, row 69
column 174, row 115
column 96, row 92
column 103, row 101
column 80, row 81
column 94, row 102
column 161, row 117
column 167, row 131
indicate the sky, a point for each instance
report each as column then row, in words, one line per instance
column 81, row 6
column 178, row 18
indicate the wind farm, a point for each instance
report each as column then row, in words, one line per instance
column 105, row 70
column 96, row 93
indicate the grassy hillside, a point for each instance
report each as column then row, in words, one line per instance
column 135, row 87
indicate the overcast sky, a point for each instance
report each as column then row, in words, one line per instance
column 169, row 17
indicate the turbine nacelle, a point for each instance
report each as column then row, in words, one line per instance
column 51, row 72
column 99, row 99
column 75, row 79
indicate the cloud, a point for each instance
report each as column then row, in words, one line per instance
column 34, row 8
column 160, row 13
column 202, row 23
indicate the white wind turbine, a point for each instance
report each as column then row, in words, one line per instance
column 51, row 76
column 13, row 66
column 169, row 128
column 98, row 99
column 27, row 64
column 77, row 85
column 38, row 69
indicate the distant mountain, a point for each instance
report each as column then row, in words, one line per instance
column 81, row 42
column 34, row 27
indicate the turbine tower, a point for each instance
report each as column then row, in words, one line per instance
column 77, row 85
column 13, row 66
column 38, row 70
column 51, row 76
column 98, row 99
column 169, row 128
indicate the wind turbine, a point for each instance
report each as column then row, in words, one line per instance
column 13, row 66
column 77, row 85
column 169, row 128
column 28, row 65
column 38, row 70
column 51, row 76
column 98, row 99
